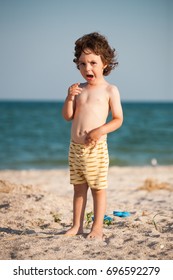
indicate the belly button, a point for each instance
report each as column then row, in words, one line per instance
column 80, row 132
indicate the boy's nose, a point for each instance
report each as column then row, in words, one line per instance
column 88, row 66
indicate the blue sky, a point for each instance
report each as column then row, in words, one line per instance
column 37, row 44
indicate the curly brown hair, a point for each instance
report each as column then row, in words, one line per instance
column 98, row 44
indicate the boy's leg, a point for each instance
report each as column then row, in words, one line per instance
column 79, row 204
column 99, row 199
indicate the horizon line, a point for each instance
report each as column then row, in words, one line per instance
column 62, row 100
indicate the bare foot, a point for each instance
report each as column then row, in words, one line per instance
column 73, row 231
column 95, row 234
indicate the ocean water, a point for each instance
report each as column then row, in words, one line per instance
column 33, row 135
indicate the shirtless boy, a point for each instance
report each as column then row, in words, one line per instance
column 88, row 105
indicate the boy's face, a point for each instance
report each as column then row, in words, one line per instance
column 91, row 66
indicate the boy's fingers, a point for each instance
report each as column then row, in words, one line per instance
column 75, row 85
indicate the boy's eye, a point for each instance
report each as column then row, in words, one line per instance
column 93, row 62
column 81, row 64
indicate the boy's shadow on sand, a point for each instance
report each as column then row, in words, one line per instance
column 16, row 231
column 49, row 233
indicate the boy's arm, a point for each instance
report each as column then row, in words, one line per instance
column 114, row 124
column 69, row 104
column 116, row 110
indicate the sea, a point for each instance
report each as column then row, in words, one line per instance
column 34, row 135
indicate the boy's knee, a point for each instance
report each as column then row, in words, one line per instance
column 80, row 189
column 98, row 191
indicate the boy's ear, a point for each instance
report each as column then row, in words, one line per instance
column 105, row 66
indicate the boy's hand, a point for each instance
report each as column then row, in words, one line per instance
column 93, row 136
column 73, row 91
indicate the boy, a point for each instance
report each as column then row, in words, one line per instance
column 88, row 105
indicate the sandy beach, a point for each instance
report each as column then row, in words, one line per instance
column 36, row 208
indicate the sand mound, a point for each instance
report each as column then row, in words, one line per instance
column 153, row 185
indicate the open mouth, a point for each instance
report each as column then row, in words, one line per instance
column 90, row 76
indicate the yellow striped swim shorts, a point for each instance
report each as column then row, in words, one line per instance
column 89, row 164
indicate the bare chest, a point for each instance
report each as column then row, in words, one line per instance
column 92, row 100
